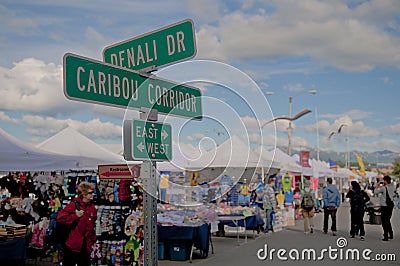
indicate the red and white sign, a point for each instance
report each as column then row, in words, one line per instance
column 118, row 171
column 304, row 157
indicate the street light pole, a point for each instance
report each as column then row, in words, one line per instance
column 317, row 127
column 291, row 118
column 289, row 135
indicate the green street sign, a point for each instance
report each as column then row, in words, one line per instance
column 93, row 81
column 162, row 47
column 151, row 141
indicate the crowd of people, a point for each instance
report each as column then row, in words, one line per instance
column 358, row 198
column 358, row 195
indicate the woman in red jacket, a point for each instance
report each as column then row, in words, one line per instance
column 82, row 213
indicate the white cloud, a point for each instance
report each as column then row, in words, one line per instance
column 386, row 80
column 298, row 143
column 40, row 127
column 4, row 117
column 14, row 23
column 352, row 128
column 392, row 129
column 255, row 138
column 196, row 136
column 381, row 144
column 328, row 32
column 204, row 11
column 294, row 87
column 358, row 114
column 251, row 122
column 33, row 86
column 352, row 114
column 94, row 36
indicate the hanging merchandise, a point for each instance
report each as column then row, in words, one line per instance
column 38, row 233
column 95, row 255
column 125, row 190
column 233, row 196
column 72, row 185
column 287, row 182
column 131, row 225
column 119, row 207
column 288, row 198
column 120, row 222
column 280, row 198
column 259, row 195
column 225, row 183
column 132, row 250
column 278, row 184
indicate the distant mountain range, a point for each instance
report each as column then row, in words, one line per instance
column 371, row 158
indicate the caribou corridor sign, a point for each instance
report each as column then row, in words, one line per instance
column 93, row 81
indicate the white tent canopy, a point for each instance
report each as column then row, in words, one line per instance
column 346, row 173
column 88, row 153
column 232, row 153
column 268, row 159
column 317, row 169
column 288, row 163
column 180, row 154
column 16, row 155
column 321, row 168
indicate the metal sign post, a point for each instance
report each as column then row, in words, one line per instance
column 124, row 82
column 149, row 183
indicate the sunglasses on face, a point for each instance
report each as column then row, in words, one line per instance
column 91, row 192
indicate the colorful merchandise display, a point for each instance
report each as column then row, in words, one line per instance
column 119, row 205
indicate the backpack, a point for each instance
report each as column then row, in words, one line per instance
column 58, row 233
column 389, row 201
column 308, row 202
column 358, row 202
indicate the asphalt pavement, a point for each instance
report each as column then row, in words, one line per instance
column 291, row 245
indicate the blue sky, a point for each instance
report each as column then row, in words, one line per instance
column 348, row 51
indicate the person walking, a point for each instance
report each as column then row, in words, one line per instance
column 386, row 192
column 269, row 203
column 81, row 214
column 331, row 201
column 358, row 198
column 307, row 207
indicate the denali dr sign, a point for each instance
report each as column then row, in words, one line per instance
column 93, row 81
column 162, row 47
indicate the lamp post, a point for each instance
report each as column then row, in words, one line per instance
column 317, row 129
column 292, row 118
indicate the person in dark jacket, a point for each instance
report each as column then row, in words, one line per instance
column 331, row 199
column 386, row 192
column 82, row 212
column 358, row 198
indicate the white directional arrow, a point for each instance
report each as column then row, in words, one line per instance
column 164, row 134
column 140, row 146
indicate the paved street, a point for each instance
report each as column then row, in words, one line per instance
column 228, row 252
